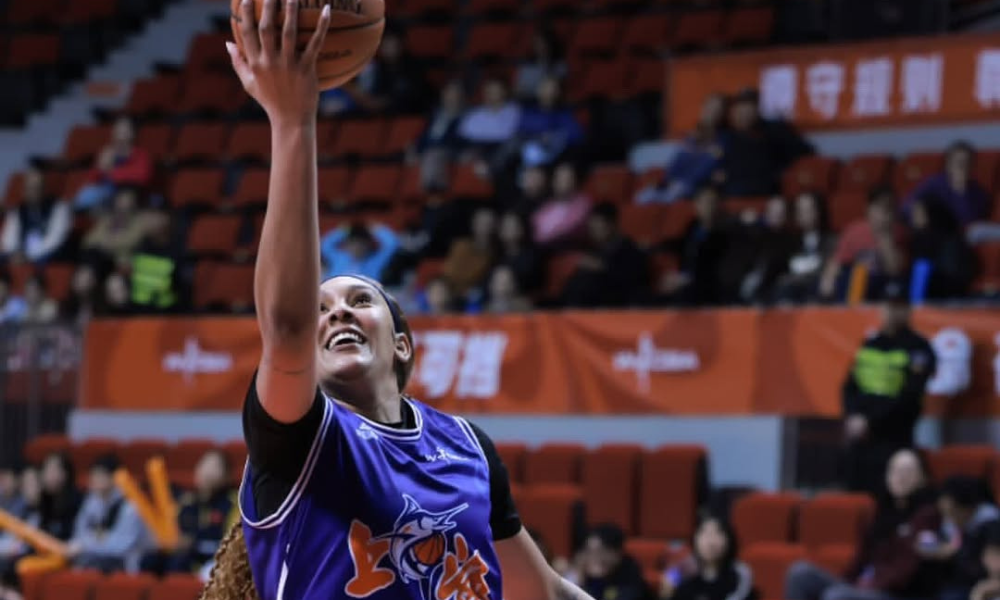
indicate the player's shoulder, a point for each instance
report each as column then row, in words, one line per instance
column 441, row 419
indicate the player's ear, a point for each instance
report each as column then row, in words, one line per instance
column 404, row 349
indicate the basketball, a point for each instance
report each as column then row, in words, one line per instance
column 429, row 551
column 351, row 41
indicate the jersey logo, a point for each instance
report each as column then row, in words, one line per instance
column 420, row 548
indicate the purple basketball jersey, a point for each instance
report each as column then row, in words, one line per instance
column 380, row 513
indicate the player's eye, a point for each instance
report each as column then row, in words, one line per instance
column 362, row 299
column 323, row 308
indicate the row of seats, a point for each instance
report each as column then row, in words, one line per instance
column 447, row 8
column 90, row 585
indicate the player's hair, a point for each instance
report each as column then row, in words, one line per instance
column 403, row 369
column 231, row 578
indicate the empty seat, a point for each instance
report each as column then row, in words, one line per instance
column 988, row 255
column 84, row 142
column 673, row 482
column 70, row 585
column 182, row 459
column 334, row 184
column 217, row 95
column 810, row 174
column 402, row 133
column 207, row 52
column 177, row 587
column 195, row 187
column 914, row 169
column 862, row 173
column 610, row 483
column 698, row 29
column 59, row 279
column 236, row 454
column 646, row 76
column 136, row 453
column 492, row 7
column 41, row 446
column 597, row 36
column 124, row 586
column 763, row 517
column 612, row 182
column 467, row 183
column 604, row 78
column 359, row 138
column 845, row 208
column 834, row 519
column 650, row 554
column 200, row 142
column 647, row 34
column 769, row 562
column 834, row 558
column 513, row 454
column 213, row 234
column 748, row 25
column 430, row 41
column 643, row 223
column 986, row 168
column 223, row 284
column 156, row 139
column 971, row 461
column 252, row 187
column 250, row 141
column 494, row 40
column 376, row 183
column 154, row 96
column 31, row 50
column 553, row 511
column 553, row 463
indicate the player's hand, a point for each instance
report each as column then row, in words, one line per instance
column 281, row 79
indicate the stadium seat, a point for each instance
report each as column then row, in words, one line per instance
column 84, row 142
column 769, row 562
column 676, row 219
column 402, row 133
column 602, row 78
column 553, row 6
column 31, row 50
column 200, row 142
column 183, row 457
column 560, row 268
column 70, row 585
column 467, row 183
column 334, row 185
column 59, row 279
column 207, row 52
column 236, row 453
column 698, row 29
column 553, row 463
column 195, row 187
column 410, row 186
column 35, row 13
column 643, row 223
column 610, row 482
column 512, row 454
column 252, row 187
column 210, row 95
column 154, row 97
column 748, row 25
column 596, row 37
column 424, row 8
column 761, row 517
column 610, row 182
column 86, row 452
column 647, row 34
column 986, row 169
column 223, row 284
column 427, row 270
column 495, row 40
column 214, row 234
column 177, row 587
column 155, row 138
column 650, row 554
column 862, row 173
column 430, row 41
column 42, row 446
column 136, row 453
column 362, row 138
column 971, row 461
column 988, row 256
column 553, row 511
column 810, row 174
column 376, row 183
column 673, row 482
column 835, row 558
column 914, row 169
column 124, row 586
column 834, row 518
column 482, row 8
column 13, row 193
column 846, row 207
column 250, row 142
column 646, row 76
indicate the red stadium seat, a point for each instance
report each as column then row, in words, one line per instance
column 650, row 554
column 402, row 133
column 495, row 40
column 647, row 35
column 699, row 29
column 862, row 173
column 606, row 79
column 59, row 279
column 427, row 270
column 513, row 455
column 363, row 138
column 672, row 484
column 598, row 36
column 467, row 183
column 611, row 182
column 845, row 208
column 30, row 50
column 914, row 169
column 376, row 183
column 554, row 463
column 834, row 519
column 207, row 52
column 810, row 174
column 647, row 76
column 411, row 8
column 177, row 587
column 988, row 255
column 214, row 234
column 155, row 96
column 986, row 169
column 430, row 41
column 610, row 481
column 551, row 510
column 769, row 562
column 182, row 459
column 236, row 454
column 252, row 187
column 763, row 517
column 86, row 452
column 124, row 586
column 198, row 186
column 334, row 185
column 136, row 453
column 84, row 142
column 644, row 223
column 223, row 284
column 492, row 7
column 834, row 558
column 70, row 585
column 218, row 95
column 250, row 141
column 42, row 446
column 748, row 25
column 156, row 139
column 971, row 461
column 200, row 142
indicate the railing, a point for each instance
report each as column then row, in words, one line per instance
column 39, row 369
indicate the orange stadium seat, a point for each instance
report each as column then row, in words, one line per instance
column 214, row 234
column 650, row 554
column 361, row 138
column 86, row 452
column 154, row 96
column 466, row 183
column 647, row 34
column 610, row 482
column 846, row 207
column 223, row 284
column 673, row 481
column 376, row 183
column 494, row 40
column 195, row 187
column 70, row 585
column 124, row 586
column 177, row 587
column 611, row 182
column 761, row 517
column 554, row 463
column 236, row 454
column 135, row 454
column 183, row 457
column 862, row 173
column 156, row 139
column 914, row 169
column 250, row 142
column 334, row 184
column 402, row 133
column 553, row 511
column 971, row 461
column 431, row 41
column 769, row 562
column 834, row 518
column 513, row 454
column 810, row 174
column 210, row 95
column 699, row 29
column 200, row 142
column 644, row 223
column 30, row 50
column 84, row 142
column 252, row 187
column 596, row 36
column 748, row 25
column 835, row 558
column 41, row 446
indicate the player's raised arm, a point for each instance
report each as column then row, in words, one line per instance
column 285, row 84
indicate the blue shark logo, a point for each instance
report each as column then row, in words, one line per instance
column 415, row 528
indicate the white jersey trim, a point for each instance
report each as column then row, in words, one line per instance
column 299, row 487
column 396, row 433
column 469, row 433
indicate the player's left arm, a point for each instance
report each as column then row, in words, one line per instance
column 526, row 574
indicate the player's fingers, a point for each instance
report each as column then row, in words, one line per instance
column 269, row 28
column 239, row 64
column 316, row 41
column 289, row 32
column 248, row 30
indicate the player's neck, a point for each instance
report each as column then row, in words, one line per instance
column 379, row 402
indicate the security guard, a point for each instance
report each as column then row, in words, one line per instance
column 884, row 391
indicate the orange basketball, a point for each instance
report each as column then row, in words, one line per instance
column 351, row 41
column 429, row 551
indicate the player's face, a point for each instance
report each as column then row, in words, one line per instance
column 356, row 336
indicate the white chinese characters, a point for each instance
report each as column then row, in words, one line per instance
column 468, row 365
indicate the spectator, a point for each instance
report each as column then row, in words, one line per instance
column 548, row 129
column 545, row 60
column 504, row 295
column 486, row 128
column 440, row 142
column 470, row 258
column 955, row 187
column 205, row 516
column 812, row 247
column 988, row 587
column 563, row 218
column 757, row 150
column 358, row 249
column 770, row 244
column 886, row 565
column 698, row 160
column 517, row 250
column 614, row 272
column 883, row 393
column 12, row 307
column 36, row 230
column 943, row 263
column 120, row 164
column 116, row 298
column 395, row 81
column 108, row 534
column 60, row 500
column 967, row 513
column 11, row 499
column 40, row 308
column 702, row 250
column 118, row 232
column 606, row 571
column 156, row 269
column 12, row 548
column 533, row 190
column 437, row 298
column 875, row 243
column 84, row 295
column 718, row 575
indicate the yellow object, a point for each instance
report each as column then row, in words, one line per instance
column 159, row 484
column 42, row 542
column 39, row 565
column 858, row 287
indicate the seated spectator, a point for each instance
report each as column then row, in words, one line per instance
column 118, row 232
column 358, row 249
column 394, row 82
column 886, row 565
column 120, row 164
column 967, row 513
column 606, row 572
column 702, row 250
column 10, row 489
column 955, row 187
column 40, row 308
column 12, row 548
column 545, row 60
column 532, row 191
column 108, row 534
column 718, row 574
column 84, row 295
column 769, row 245
column 116, row 299
column 563, row 218
column 813, row 244
column 517, row 250
column 157, row 284
column 757, row 150
column 487, row 127
column 988, row 588
column 470, row 258
column 943, row 263
column 38, row 229
column 876, row 243
column 503, row 293
column 548, row 129
column 205, row 516
column 614, row 272
column 60, row 500
column 440, row 142
column 697, row 161
column 12, row 306
column 437, row 298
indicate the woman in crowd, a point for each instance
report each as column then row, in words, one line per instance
column 718, row 575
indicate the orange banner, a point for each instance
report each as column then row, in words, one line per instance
column 902, row 82
column 699, row 362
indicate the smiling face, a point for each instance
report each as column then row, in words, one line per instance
column 357, row 338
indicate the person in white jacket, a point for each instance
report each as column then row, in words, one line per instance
column 38, row 228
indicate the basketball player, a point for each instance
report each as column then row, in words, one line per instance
column 352, row 490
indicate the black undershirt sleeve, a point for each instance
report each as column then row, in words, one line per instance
column 504, row 520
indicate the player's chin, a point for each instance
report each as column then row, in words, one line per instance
column 345, row 366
